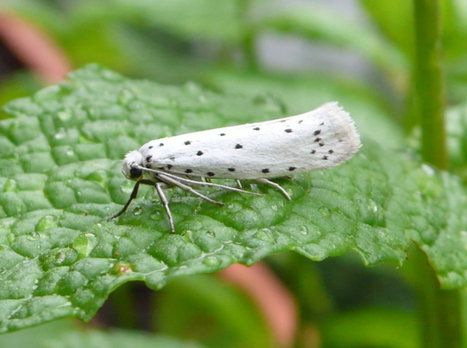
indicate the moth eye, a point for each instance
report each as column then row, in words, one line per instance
column 135, row 173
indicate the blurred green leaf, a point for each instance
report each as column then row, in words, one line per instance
column 158, row 55
column 17, row 85
column 371, row 327
column 454, row 14
column 320, row 25
column 306, row 283
column 211, row 311
column 457, row 136
column 37, row 336
column 116, row 339
column 456, row 131
column 65, row 334
column 60, row 179
column 194, row 19
column 86, row 30
column 395, row 20
column 141, row 38
column 40, row 13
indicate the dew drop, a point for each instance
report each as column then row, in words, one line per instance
column 427, row 169
column 155, row 215
column 303, row 230
column 60, row 257
column 84, row 244
column 372, row 206
column 64, row 115
column 61, row 134
column 10, row 186
column 324, row 211
column 211, row 261
column 125, row 97
column 46, row 222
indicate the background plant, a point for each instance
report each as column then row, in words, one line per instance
column 216, row 46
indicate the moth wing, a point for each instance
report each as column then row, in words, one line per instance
column 318, row 139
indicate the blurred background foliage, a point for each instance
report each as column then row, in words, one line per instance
column 300, row 54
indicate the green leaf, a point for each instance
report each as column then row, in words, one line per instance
column 15, row 86
column 395, row 21
column 60, row 158
column 371, row 327
column 186, row 305
column 457, row 138
column 116, row 339
column 320, row 25
column 63, row 334
column 192, row 19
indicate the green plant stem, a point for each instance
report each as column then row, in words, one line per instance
column 429, row 87
column 440, row 314
column 439, row 310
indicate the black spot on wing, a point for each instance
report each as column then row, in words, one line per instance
column 238, row 146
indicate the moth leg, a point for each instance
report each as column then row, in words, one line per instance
column 275, row 185
column 203, row 183
column 165, row 203
column 133, row 195
column 187, row 188
column 239, row 184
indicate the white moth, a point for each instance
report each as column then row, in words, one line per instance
column 318, row 139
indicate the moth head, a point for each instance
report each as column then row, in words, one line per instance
column 131, row 165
